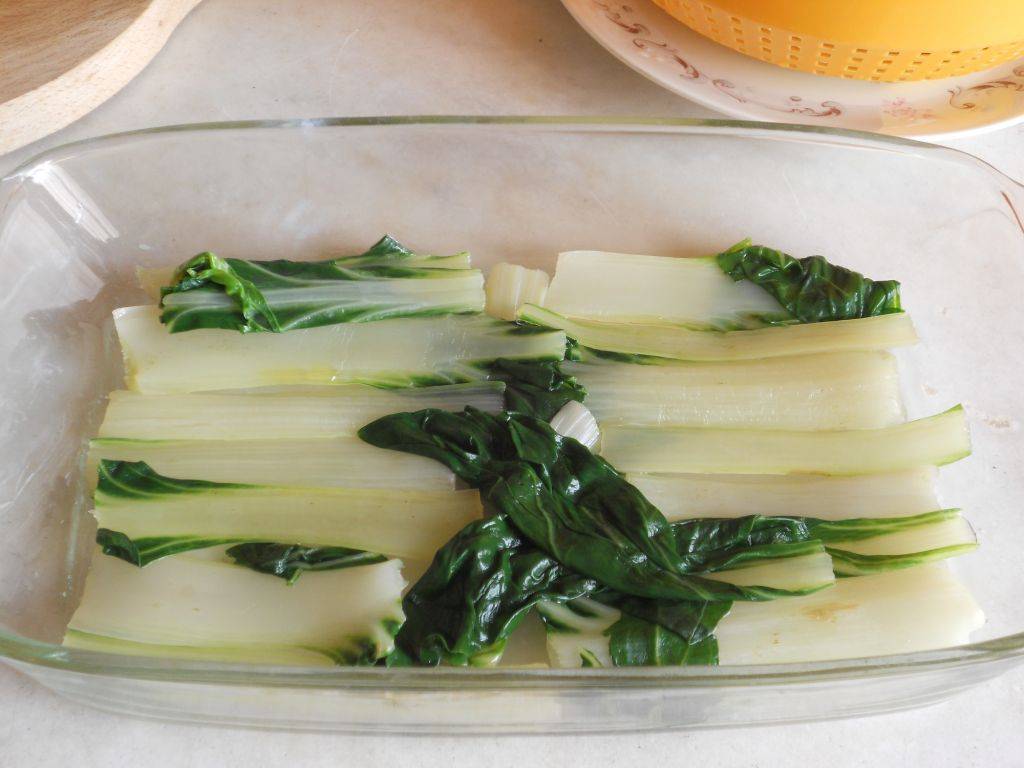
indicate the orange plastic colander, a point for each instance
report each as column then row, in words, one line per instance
column 885, row 40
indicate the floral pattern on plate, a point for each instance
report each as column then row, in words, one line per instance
column 677, row 58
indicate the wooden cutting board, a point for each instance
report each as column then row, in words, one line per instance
column 60, row 59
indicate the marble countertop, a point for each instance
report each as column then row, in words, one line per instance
column 236, row 59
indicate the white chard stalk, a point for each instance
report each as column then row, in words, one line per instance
column 205, row 609
column 935, row 440
column 417, row 351
column 509, row 286
column 301, row 413
column 681, row 343
column 345, row 462
column 412, row 524
column 576, row 421
column 892, row 494
column 846, row 390
column 630, row 288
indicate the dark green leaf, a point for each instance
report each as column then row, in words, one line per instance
column 145, row 550
column 633, row 642
column 475, row 592
column 572, row 504
column 694, row 620
column 811, row 289
column 535, row 388
column 712, row 544
column 138, row 480
column 289, row 561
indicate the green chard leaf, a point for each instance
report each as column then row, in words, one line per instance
column 138, row 480
column 811, row 289
column 145, row 550
column 476, row 591
column 274, row 296
column 289, row 561
column 634, row 642
column 569, row 520
column 537, row 388
column 570, row 503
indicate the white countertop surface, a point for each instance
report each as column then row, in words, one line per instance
column 237, row 59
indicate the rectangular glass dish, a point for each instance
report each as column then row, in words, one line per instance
column 76, row 221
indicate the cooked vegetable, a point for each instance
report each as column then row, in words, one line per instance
column 213, row 292
column 893, row 494
column 278, row 413
column 483, row 582
column 410, row 352
column 887, row 545
column 218, row 610
column 289, row 561
column 728, row 387
column 476, row 591
column 811, row 289
column 629, row 288
column 162, row 515
column 576, row 421
column 509, row 286
column 595, row 633
column 637, row 342
column 386, row 252
column 537, row 388
column 847, row 390
column 237, row 654
column 695, row 292
column 901, row 612
column 935, row 440
column 570, row 503
column 876, row 544
column 338, row 462
column 567, row 512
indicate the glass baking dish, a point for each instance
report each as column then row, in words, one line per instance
column 77, row 220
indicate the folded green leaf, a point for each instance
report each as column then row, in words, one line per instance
column 144, row 550
column 811, row 289
column 386, row 282
column 567, row 501
column 635, row 642
column 608, row 629
column 476, row 591
column 537, row 388
column 388, row 252
column 289, row 561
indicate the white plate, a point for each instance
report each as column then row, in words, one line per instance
column 677, row 58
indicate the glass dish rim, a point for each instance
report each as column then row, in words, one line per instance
column 1007, row 649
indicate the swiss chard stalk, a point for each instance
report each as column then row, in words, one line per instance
column 209, row 291
column 144, row 516
column 404, row 352
column 652, row 343
column 200, row 608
